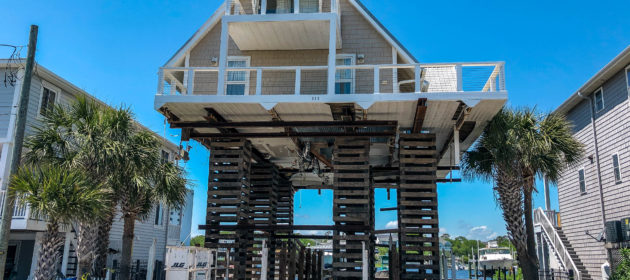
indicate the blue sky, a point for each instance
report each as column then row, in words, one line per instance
column 113, row 49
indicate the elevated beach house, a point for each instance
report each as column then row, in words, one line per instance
column 317, row 94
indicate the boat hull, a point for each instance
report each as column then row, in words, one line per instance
column 499, row 263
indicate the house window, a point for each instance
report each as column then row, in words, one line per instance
column 47, row 103
column 279, row 6
column 599, row 100
column 616, row 169
column 158, row 215
column 309, row 6
column 344, row 79
column 237, row 81
column 174, row 218
column 165, row 156
column 582, row 181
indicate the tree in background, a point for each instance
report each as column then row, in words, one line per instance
column 63, row 197
column 198, row 241
column 74, row 137
column 142, row 179
column 515, row 147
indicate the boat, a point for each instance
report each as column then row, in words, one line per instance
column 494, row 256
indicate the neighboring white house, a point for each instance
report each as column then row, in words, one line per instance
column 152, row 236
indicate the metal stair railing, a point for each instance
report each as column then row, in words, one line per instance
column 555, row 241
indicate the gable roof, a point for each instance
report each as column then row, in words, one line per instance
column 218, row 14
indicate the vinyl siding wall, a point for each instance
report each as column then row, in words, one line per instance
column 582, row 211
column 358, row 37
column 7, row 92
column 145, row 231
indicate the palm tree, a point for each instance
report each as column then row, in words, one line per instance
column 143, row 179
column 64, row 197
column 73, row 137
column 516, row 147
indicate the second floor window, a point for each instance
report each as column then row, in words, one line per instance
column 344, row 78
column 582, row 181
column 616, row 168
column 599, row 100
column 165, row 156
column 237, row 81
column 158, row 215
column 47, row 103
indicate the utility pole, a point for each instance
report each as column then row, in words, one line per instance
column 18, row 141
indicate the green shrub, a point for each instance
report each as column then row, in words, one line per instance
column 622, row 271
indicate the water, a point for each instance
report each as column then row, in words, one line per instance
column 463, row 274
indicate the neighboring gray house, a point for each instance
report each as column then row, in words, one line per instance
column 598, row 188
column 48, row 88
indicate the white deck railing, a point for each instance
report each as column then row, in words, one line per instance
column 360, row 79
column 557, row 246
column 262, row 7
column 20, row 212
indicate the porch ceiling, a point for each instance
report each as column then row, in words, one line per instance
column 281, row 35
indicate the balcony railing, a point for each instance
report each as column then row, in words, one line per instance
column 262, row 7
column 20, row 212
column 549, row 230
column 350, row 79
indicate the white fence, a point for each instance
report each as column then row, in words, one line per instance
column 349, row 79
column 263, row 7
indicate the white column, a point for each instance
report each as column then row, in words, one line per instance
column 332, row 55
column 364, row 262
column 263, row 7
column 456, row 144
column 36, row 248
column 395, row 88
column 547, row 195
column 225, row 36
column 66, row 253
column 265, row 260
column 460, row 75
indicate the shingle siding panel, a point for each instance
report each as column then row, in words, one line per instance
column 7, row 93
column 358, row 37
column 582, row 212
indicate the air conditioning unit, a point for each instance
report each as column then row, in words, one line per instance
column 625, row 229
column 613, row 232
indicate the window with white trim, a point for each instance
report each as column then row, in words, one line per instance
column 582, row 180
column 47, row 101
column 616, row 168
column 344, row 78
column 237, row 81
column 165, row 156
column 599, row 100
column 158, row 215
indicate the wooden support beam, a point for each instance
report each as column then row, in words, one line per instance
column 294, row 134
column 285, row 227
column 421, row 111
column 276, row 124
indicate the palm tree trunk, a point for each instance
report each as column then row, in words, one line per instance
column 127, row 246
column 511, row 198
column 49, row 254
column 103, row 245
column 86, row 247
column 529, row 227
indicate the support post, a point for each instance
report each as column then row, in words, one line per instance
column 161, row 81
column 223, row 53
column 263, row 7
column 9, row 201
column 453, row 267
column 332, row 55
column 456, row 149
column 265, row 259
column 418, row 78
column 460, row 81
column 296, row 6
column 395, row 87
column 377, row 80
column 259, row 81
column 547, row 196
column 298, row 79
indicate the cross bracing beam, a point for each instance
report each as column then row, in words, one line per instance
column 294, row 134
column 289, row 124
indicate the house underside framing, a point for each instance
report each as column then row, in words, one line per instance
column 250, row 199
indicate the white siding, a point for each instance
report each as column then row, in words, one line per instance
column 582, row 212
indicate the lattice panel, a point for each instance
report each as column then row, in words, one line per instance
column 417, row 207
column 228, row 204
column 353, row 205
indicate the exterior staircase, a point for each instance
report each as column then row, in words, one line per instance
column 573, row 254
column 558, row 245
